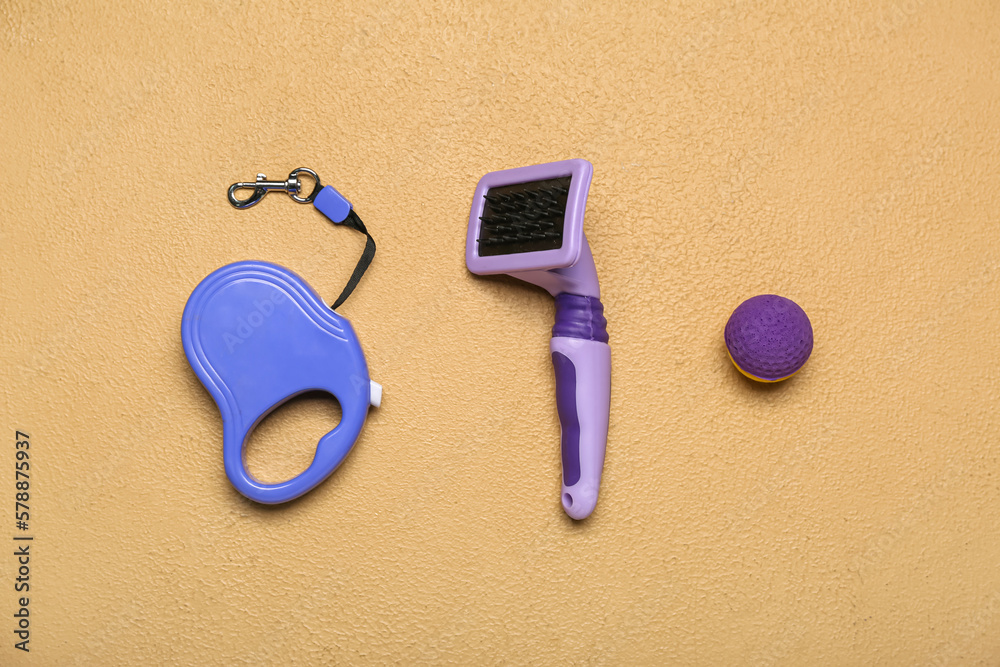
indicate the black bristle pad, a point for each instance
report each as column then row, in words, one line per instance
column 525, row 217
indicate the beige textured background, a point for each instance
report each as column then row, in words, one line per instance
column 845, row 156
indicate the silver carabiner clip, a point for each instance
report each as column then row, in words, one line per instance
column 262, row 186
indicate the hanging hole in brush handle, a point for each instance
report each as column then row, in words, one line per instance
column 581, row 358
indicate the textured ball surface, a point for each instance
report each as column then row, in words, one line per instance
column 769, row 337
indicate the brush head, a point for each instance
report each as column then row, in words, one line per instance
column 524, row 217
column 528, row 219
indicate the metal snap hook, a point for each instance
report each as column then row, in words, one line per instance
column 262, row 186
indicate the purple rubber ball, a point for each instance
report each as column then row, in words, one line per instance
column 769, row 337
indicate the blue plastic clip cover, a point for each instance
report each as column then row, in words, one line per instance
column 256, row 336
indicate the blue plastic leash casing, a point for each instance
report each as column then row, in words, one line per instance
column 257, row 335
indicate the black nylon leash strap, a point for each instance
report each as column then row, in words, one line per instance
column 354, row 222
column 327, row 201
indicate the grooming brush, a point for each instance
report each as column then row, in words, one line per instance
column 528, row 223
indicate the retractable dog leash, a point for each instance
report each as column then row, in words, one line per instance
column 257, row 335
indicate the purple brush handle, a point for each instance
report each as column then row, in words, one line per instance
column 582, row 361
